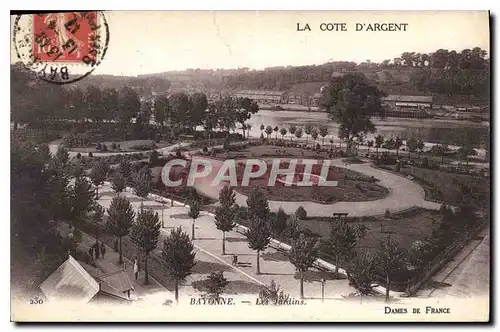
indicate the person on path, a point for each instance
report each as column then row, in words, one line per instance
column 136, row 268
column 91, row 252
column 103, row 250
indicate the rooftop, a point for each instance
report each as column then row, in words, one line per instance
column 261, row 92
column 402, row 98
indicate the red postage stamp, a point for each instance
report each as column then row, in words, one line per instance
column 68, row 37
column 61, row 47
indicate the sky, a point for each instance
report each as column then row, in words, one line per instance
column 143, row 42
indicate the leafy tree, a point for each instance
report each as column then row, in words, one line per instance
column 323, row 132
column 97, row 219
column 215, row 284
column 412, row 145
column 370, row 145
column 178, row 257
column 194, row 213
column 120, row 219
column 308, row 129
column 143, row 182
column 129, row 106
column 341, row 242
column 125, row 168
column 118, row 182
column 351, row 102
column 303, row 255
column 465, row 151
column 292, row 129
column 301, row 213
column 197, row 106
column 398, row 143
column 258, row 236
column 420, row 147
column 283, row 132
column 258, row 205
column 361, row 271
column 179, row 105
column 269, row 131
column 298, row 133
column 98, row 174
column 293, row 227
column 62, row 156
column 154, row 158
column 145, row 233
column 390, row 258
column 162, row 109
column 225, row 213
column 379, row 141
column 314, row 135
column 276, row 129
column 81, row 197
column 279, row 223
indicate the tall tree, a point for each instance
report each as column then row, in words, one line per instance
column 118, row 182
column 98, row 174
column 361, row 272
column 81, row 197
column 303, row 255
column 120, row 219
column 279, row 222
column 110, row 104
column 269, row 131
column 97, row 219
column 130, row 105
column 314, row 135
column 125, row 168
column 178, row 257
column 341, row 242
column 390, row 258
column 145, row 233
column 258, row 236
column 194, row 213
column 258, row 205
column 351, row 102
column 379, row 141
column 308, row 129
column 161, row 109
column 323, row 132
column 283, row 132
column 292, row 129
column 197, row 106
column 225, row 213
column 179, row 106
column 142, row 182
column 298, row 133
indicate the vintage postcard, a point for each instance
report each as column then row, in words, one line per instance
column 250, row 166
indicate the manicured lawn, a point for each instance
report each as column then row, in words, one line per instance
column 447, row 187
column 405, row 227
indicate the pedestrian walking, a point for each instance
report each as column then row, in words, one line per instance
column 103, row 250
column 136, row 268
column 91, row 252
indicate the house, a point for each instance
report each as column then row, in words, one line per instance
column 263, row 96
column 407, row 106
column 83, row 283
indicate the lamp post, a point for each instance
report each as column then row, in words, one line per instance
column 162, row 207
column 323, row 281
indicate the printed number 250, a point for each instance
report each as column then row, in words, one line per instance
column 36, row 300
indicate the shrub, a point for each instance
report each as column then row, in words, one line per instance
column 387, row 213
column 104, row 148
column 318, row 146
column 301, row 213
column 114, row 146
column 91, row 155
column 98, row 146
column 205, row 149
column 425, row 162
column 78, row 155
